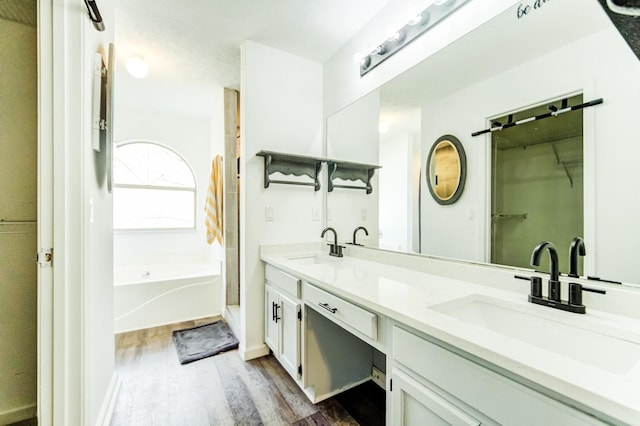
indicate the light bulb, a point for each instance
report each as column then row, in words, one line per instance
column 137, row 67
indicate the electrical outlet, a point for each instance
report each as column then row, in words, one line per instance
column 378, row 377
column 363, row 214
column 315, row 214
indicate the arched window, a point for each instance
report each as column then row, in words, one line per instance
column 153, row 188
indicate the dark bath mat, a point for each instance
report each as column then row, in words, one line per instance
column 203, row 341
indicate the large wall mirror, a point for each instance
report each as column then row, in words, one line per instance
column 563, row 50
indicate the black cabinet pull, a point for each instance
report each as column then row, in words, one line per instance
column 276, row 317
column 328, row 308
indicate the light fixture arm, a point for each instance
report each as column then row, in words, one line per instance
column 94, row 14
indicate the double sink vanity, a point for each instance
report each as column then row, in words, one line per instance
column 450, row 342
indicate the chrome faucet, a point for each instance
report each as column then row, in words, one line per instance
column 334, row 249
column 554, row 279
column 576, row 248
column 355, row 231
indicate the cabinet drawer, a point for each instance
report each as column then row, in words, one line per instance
column 283, row 281
column 500, row 398
column 341, row 311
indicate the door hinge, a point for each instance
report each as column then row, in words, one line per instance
column 44, row 257
column 300, row 369
column 300, row 315
column 390, row 385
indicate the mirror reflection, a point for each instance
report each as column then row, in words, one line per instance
column 536, row 183
column 484, row 77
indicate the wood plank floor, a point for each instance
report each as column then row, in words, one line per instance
column 222, row 390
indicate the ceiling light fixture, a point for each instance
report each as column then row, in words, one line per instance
column 416, row 26
column 137, row 67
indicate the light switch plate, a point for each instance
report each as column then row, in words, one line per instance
column 268, row 214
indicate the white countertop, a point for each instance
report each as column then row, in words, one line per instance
column 407, row 296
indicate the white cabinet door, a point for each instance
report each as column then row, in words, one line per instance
column 282, row 329
column 271, row 322
column 415, row 404
column 290, row 335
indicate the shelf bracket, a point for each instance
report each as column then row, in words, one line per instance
column 564, row 165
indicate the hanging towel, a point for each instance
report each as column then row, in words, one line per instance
column 213, row 203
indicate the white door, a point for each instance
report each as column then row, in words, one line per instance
column 415, row 404
column 271, row 321
column 290, row 335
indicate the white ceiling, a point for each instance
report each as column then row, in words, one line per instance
column 198, row 41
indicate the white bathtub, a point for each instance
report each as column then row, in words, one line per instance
column 158, row 294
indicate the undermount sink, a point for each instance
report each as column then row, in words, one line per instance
column 313, row 259
column 589, row 342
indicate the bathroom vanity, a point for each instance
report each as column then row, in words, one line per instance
column 460, row 344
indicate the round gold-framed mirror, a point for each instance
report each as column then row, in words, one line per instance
column 446, row 169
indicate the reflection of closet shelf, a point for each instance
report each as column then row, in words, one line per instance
column 18, row 226
column 497, row 217
column 566, row 164
column 290, row 164
column 352, row 172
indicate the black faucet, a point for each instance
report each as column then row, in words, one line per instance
column 576, row 248
column 554, row 279
column 553, row 300
column 334, row 249
column 355, row 231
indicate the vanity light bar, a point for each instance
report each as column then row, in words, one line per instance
column 417, row 26
column 554, row 113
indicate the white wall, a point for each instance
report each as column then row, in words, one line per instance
column 395, row 191
column 349, row 208
column 97, row 219
column 281, row 110
column 197, row 138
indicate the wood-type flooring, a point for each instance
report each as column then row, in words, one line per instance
column 222, row 390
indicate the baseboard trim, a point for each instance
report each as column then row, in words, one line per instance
column 254, row 352
column 109, row 402
column 19, row 414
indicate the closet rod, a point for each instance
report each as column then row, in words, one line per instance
column 540, row 117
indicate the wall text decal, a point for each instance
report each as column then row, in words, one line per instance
column 525, row 9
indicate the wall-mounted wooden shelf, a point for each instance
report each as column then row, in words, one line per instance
column 350, row 171
column 291, row 164
column 299, row 165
